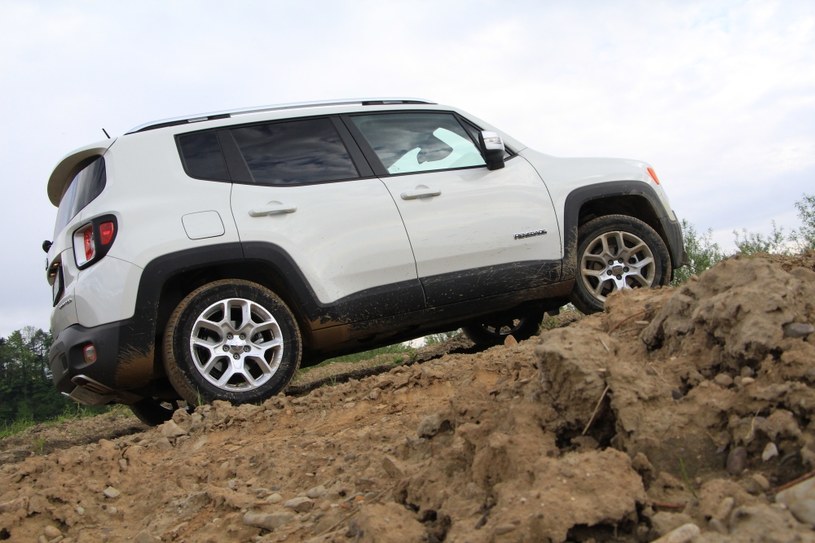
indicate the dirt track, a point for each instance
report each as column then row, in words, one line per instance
column 681, row 407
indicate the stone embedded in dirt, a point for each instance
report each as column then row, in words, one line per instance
column 770, row 451
column 664, row 522
column 111, row 493
column 736, row 460
column 798, row 329
column 723, row 380
column 800, row 500
column 267, row 521
column 393, row 467
column 51, row 532
column 432, row 425
column 684, row 534
column 274, row 498
column 172, row 430
column 145, row 537
column 316, row 492
column 300, row 504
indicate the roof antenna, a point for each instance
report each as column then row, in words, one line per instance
column 106, row 133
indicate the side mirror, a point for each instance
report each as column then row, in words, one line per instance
column 492, row 149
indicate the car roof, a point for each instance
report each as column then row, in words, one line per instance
column 280, row 107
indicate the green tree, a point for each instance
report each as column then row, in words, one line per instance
column 750, row 243
column 702, row 253
column 804, row 237
column 26, row 389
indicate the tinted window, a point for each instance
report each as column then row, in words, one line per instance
column 202, row 156
column 295, row 152
column 87, row 184
column 416, row 142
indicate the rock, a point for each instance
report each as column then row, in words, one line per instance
column 725, row 508
column 171, row 429
column 798, row 329
column 769, row 452
column 683, row 534
column 145, row 537
column 663, row 522
column 393, row 467
column 509, row 341
column 14, row 505
column 51, row 532
column 430, row 426
column 111, row 493
column 800, row 500
column 736, row 460
column 274, row 498
column 300, row 504
column 761, row 481
column 316, row 492
column 267, row 521
column 723, row 380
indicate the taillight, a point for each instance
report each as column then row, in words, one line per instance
column 93, row 240
column 106, row 232
column 87, row 239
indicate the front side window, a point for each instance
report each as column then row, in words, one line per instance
column 296, row 152
column 87, row 184
column 418, row 142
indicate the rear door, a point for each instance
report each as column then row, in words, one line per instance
column 474, row 232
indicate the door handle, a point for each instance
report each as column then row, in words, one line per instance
column 272, row 208
column 420, row 192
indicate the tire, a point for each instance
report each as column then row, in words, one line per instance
column 153, row 412
column 231, row 340
column 495, row 329
column 617, row 252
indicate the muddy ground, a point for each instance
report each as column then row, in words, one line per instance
column 684, row 414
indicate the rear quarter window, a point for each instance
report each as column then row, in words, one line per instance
column 202, row 156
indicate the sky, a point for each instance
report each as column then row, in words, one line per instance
column 719, row 96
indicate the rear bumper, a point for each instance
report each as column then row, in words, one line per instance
column 120, row 366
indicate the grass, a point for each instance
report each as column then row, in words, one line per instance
column 397, row 352
column 71, row 412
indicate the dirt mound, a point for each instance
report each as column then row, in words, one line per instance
column 678, row 411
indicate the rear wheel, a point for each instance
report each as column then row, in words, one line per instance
column 231, row 340
column 617, row 252
column 494, row 330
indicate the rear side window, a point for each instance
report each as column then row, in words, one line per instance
column 295, row 152
column 202, row 156
column 87, row 184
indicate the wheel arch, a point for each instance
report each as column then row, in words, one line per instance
column 632, row 198
column 168, row 279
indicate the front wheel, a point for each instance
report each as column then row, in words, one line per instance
column 494, row 330
column 231, row 340
column 617, row 252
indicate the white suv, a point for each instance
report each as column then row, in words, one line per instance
column 209, row 257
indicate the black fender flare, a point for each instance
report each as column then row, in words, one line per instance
column 669, row 229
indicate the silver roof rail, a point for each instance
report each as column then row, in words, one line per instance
column 280, row 107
